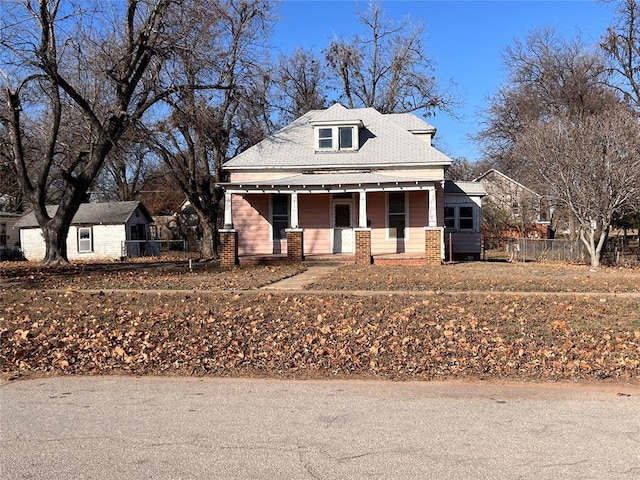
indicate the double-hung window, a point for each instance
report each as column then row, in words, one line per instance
column 85, row 240
column 279, row 215
column 325, row 138
column 397, row 214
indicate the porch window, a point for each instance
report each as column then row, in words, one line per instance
column 85, row 240
column 3, row 234
column 397, row 214
column 279, row 215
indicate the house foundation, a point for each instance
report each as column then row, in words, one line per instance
column 228, row 248
column 295, row 245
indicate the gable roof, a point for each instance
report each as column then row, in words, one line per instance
column 493, row 171
column 106, row 213
column 385, row 141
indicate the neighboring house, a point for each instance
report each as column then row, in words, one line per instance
column 339, row 181
column 111, row 230
column 512, row 209
column 462, row 220
column 9, row 237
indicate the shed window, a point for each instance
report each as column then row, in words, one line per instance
column 397, row 214
column 450, row 217
column 85, row 240
column 279, row 215
column 3, row 234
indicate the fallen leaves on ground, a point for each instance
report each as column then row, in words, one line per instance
column 399, row 336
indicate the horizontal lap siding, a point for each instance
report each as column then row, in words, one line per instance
column 314, row 214
column 418, row 205
column 32, row 244
column 251, row 220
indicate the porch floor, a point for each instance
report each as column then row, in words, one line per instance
column 379, row 259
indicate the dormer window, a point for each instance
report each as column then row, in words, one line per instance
column 337, row 136
column 325, row 139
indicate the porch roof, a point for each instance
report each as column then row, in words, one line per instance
column 332, row 182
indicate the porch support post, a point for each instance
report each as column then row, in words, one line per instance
column 294, row 210
column 433, row 245
column 228, row 211
column 433, row 212
column 362, row 220
column 295, row 245
column 229, row 247
column 363, row 246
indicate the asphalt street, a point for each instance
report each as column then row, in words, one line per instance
column 177, row 428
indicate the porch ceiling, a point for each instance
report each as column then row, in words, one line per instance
column 326, row 183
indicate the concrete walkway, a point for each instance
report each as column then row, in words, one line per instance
column 299, row 281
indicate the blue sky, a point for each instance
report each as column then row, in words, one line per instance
column 465, row 39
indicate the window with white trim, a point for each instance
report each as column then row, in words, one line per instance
column 396, row 214
column 85, row 240
column 279, row 216
column 336, row 138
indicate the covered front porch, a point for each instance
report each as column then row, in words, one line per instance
column 360, row 218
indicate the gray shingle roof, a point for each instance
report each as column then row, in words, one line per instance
column 106, row 213
column 464, row 188
column 384, row 142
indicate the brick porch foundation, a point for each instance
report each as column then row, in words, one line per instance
column 295, row 245
column 363, row 246
column 433, row 240
column 228, row 248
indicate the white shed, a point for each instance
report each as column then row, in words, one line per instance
column 110, row 230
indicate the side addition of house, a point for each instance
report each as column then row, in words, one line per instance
column 344, row 182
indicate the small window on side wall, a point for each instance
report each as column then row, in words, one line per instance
column 85, row 240
column 466, row 218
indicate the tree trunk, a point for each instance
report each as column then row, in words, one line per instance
column 55, row 238
column 208, row 246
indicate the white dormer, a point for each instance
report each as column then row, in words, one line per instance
column 337, row 135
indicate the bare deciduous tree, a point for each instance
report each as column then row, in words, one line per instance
column 76, row 80
column 205, row 129
column 591, row 165
column 301, row 83
column 387, row 68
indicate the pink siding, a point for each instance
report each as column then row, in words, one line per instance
column 251, row 220
column 314, row 213
column 418, row 205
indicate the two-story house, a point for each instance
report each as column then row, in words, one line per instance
column 345, row 182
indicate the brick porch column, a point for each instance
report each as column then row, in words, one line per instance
column 433, row 245
column 363, row 246
column 295, row 244
column 229, row 247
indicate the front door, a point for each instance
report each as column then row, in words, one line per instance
column 342, row 227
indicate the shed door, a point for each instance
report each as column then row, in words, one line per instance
column 342, row 227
